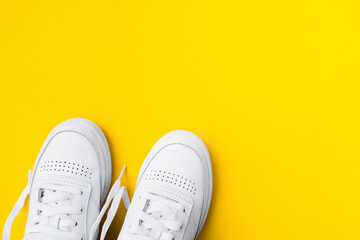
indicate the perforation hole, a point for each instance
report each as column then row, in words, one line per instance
column 65, row 166
column 172, row 178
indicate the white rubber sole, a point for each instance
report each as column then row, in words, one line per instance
column 88, row 126
column 208, row 169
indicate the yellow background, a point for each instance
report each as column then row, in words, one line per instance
column 271, row 86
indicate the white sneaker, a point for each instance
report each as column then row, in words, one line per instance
column 173, row 192
column 70, row 180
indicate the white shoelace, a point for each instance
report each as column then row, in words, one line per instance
column 157, row 220
column 54, row 210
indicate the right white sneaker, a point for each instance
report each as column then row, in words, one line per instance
column 70, row 180
column 173, row 192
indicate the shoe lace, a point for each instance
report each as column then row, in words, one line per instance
column 158, row 219
column 55, row 208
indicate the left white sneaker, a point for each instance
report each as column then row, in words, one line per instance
column 70, row 180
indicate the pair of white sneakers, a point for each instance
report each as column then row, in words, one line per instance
column 72, row 176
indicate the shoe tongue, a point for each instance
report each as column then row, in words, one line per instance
column 47, row 236
column 165, row 197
